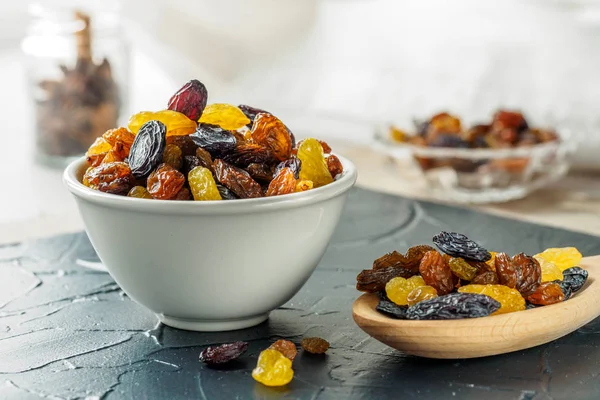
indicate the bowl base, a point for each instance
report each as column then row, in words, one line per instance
column 208, row 325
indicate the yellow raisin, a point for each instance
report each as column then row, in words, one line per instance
column 303, row 186
column 492, row 261
column 176, row 123
column 563, row 258
column 397, row 134
column 398, row 289
column 203, row 185
column 509, row 299
column 225, row 115
column 462, row 269
column 550, row 272
column 314, row 168
column 273, row 368
column 140, row 192
column 421, row 293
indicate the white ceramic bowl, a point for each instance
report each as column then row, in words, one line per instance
column 214, row 265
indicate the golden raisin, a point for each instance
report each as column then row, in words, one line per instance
column 119, row 135
column 224, row 115
column 176, row 123
column 314, row 168
column 273, row 368
column 203, row 185
column 550, row 272
column 421, row 293
column 510, row 299
column 398, row 289
column 563, row 258
column 462, row 269
column 140, row 192
column 303, row 185
column 173, row 156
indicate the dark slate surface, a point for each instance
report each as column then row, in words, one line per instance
column 68, row 332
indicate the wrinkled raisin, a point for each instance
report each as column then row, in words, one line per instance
column 121, row 136
column 436, row 272
column 223, row 353
column 334, row 165
column 175, row 123
column 248, row 153
column 453, row 306
column 165, row 182
column 224, row 115
column 547, row 293
column 510, row 299
column 506, row 270
column 273, row 368
column 237, row 180
column 140, row 192
column 251, row 112
column 391, row 309
column 190, row 100
column 529, row 273
column 202, row 184
column 410, row 260
column 575, row 277
column 286, row 348
column 458, row 245
column 324, row 146
column 185, row 143
column 565, row 287
column 173, row 156
column 183, row 194
column 550, row 272
column 147, row 149
column 205, row 159
column 315, row 345
column 374, row 280
column 314, row 167
column 462, row 269
column 115, row 178
column 214, row 139
column 398, row 288
column 421, row 293
column 225, row 193
column 292, row 163
column 270, row 132
column 260, row 172
column 485, row 278
column 563, row 258
column 189, row 163
column 283, row 183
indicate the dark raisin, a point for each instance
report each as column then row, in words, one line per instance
column 458, row 245
column 251, row 112
column 374, row 280
column 190, row 99
column 226, row 194
column 214, row 139
column 147, row 148
column 391, row 309
column 189, row 163
column 249, row 153
column 410, row 260
column 576, row 277
column 260, row 172
column 223, row 353
column 237, row 180
column 529, row 274
column 566, row 288
column 454, row 306
column 292, row 163
column 449, row 140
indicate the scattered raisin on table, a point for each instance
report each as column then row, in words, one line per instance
column 273, row 369
column 285, row 347
column 315, row 345
column 454, row 306
column 458, row 245
column 436, row 272
column 224, row 353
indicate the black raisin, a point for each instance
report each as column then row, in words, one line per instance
column 566, row 288
column 576, row 277
column 292, row 163
column 391, row 309
column 214, row 139
column 223, row 353
column 147, row 148
column 454, row 306
column 226, row 194
column 458, row 245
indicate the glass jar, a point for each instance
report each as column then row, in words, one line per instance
column 77, row 63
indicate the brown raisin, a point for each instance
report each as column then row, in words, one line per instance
column 173, row 156
column 529, row 273
column 315, row 345
column 115, row 178
column 260, row 172
column 237, row 180
column 374, row 280
column 165, row 182
column 334, row 165
column 283, row 183
column 185, row 143
column 205, row 159
column 270, row 132
column 223, row 353
column 436, row 272
column 286, row 348
column 545, row 294
column 485, row 278
column 248, row 153
column 410, row 260
column 507, row 273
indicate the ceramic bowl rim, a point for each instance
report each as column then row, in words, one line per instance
column 294, row 200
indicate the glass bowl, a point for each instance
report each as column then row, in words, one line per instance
column 483, row 175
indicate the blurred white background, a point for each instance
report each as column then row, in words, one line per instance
column 333, row 68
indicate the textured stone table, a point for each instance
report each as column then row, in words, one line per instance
column 69, row 332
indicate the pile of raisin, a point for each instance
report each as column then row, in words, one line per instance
column 465, row 280
column 507, row 129
column 198, row 151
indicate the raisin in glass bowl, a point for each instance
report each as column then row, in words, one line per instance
column 482, row 175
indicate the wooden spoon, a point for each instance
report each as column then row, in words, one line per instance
column 478, row 337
